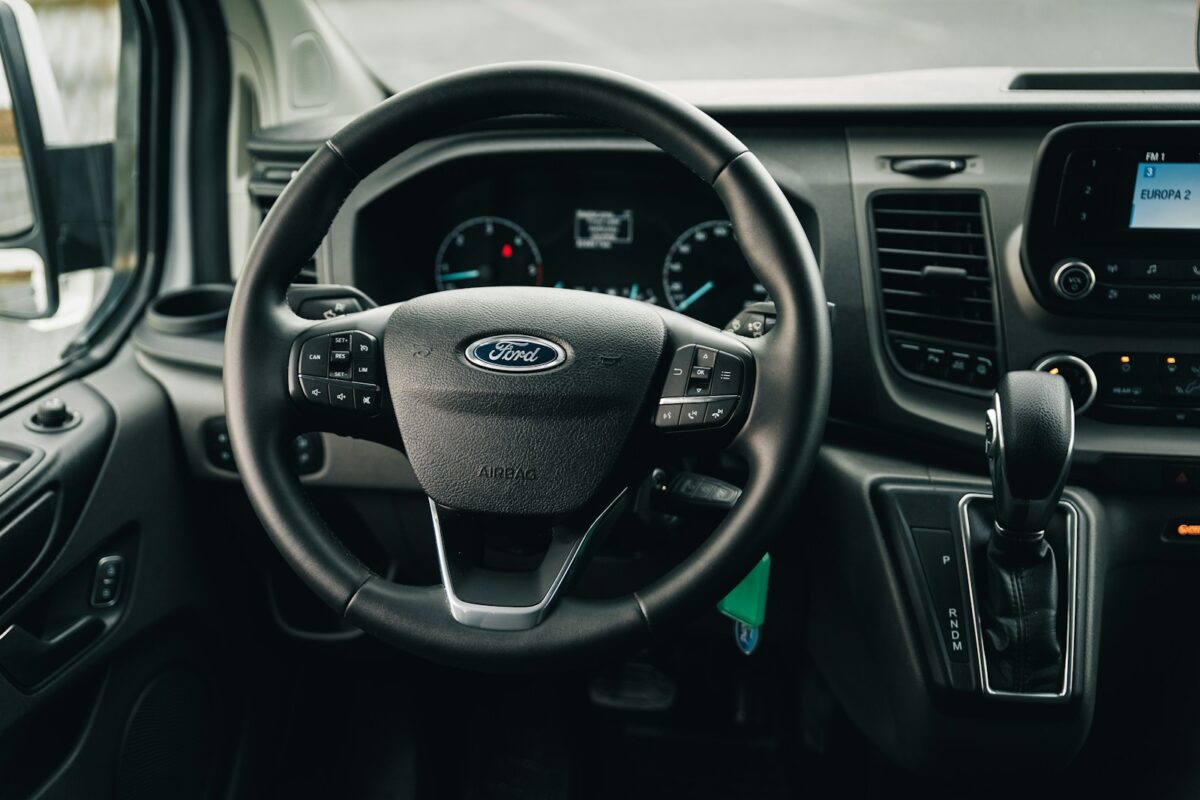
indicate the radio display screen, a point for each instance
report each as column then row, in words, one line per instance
column 1166, row 192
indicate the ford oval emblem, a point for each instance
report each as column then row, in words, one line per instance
column 515, row 354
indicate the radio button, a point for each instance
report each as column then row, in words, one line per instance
column 1073, row 279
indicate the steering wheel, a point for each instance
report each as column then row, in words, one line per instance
column 526, row 409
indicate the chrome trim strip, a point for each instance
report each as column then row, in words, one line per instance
column 513, row 618
column 706, row 399
column 1073, row 585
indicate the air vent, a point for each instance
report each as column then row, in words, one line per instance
column 934, row 264
column 267, row 182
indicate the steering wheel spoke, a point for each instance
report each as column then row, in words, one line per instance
column 335, row 377
column 500, row 597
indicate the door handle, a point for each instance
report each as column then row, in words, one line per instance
column 29, row 660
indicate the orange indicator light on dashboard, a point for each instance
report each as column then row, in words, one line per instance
column 1124, row 359
column 1054, row 371
column 1170, row 359
column 1184, row 529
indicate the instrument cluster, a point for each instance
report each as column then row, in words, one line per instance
column 632, row 225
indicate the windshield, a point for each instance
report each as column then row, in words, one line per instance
column 405, row 43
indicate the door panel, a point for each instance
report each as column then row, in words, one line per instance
column 115, row 487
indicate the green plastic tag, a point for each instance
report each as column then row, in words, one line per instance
column 747, row 603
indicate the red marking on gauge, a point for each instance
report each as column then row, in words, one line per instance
column 506, row 251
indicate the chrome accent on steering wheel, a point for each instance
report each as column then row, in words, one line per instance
column 520, row 618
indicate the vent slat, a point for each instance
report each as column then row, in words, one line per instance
column 931, row 253
column 915, row 232
column 935, row 275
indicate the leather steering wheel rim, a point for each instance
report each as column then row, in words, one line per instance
column 779, row 439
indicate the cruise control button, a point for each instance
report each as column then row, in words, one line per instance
column 316, row 390
column 362, row 371
column 340, row 373
column 692, row 414
column 314, row 356
column 340, row 342
column 677, row 377
column 362, row 346
column 366, row 399
column 727, row 375
column 339, row 356
column 718, row 411
column 706, row 357
column 668, row 416
column 341, row 394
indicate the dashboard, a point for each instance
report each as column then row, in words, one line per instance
column 634, row 225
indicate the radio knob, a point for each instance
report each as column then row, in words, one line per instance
column 1079, row 375
column 1073, row 279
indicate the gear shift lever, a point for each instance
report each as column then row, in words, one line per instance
column 1030, row 434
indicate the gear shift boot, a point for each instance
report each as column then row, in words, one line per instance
column 1022, row 595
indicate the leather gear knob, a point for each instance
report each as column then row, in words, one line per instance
column 1030, row 436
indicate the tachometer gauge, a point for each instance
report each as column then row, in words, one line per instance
column 487, row 251
column 706, row 276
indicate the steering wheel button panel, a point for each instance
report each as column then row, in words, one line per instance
column 341, row 370
column 702, row 388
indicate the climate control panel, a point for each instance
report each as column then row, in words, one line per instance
column 1133, row 388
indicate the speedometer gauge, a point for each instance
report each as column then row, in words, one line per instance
column 487, row 251
column 706, row 276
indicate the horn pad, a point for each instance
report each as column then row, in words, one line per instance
column 519, row 427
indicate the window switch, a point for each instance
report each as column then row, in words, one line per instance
column 106, row 586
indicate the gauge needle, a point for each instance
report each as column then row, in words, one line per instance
column 694, row 296
column 465, row 275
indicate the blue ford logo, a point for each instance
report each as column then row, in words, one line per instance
column 515, row 354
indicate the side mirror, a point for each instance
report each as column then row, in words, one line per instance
column 29, row 267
